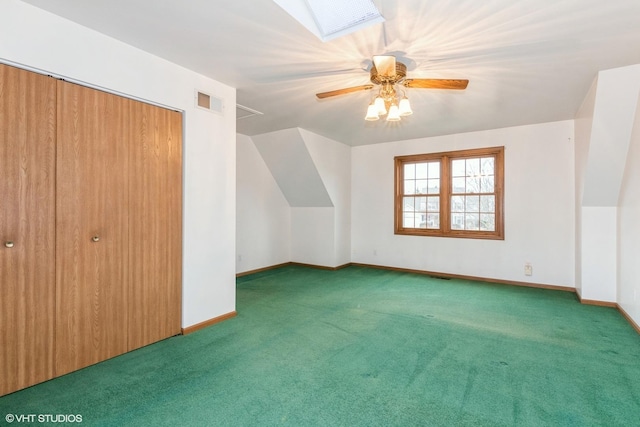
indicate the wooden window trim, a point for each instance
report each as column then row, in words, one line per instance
column 445, row 159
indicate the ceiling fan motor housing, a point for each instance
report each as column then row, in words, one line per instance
column 379, row 79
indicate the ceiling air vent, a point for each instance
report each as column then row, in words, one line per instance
column 243, row 112
column 209, row 102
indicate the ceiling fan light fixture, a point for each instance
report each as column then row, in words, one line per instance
column 379, row 103
column 394, row 113
column 405, row 107
column 390, row 76
column 372, row 113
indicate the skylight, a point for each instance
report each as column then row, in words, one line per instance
column 329, row 19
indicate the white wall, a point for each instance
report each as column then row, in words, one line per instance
column 629, row 228
column 604, row 126
column 263, row 216
column 313, row 236
column 539, row 208
column 314, row 174
column 598, row 253
column 43, row 41
column 582, row 125
column 333, row 160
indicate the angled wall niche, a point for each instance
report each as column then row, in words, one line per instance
column 290, row 163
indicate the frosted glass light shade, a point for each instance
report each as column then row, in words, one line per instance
column 372, row 113
column 382, row 109
column 394, row 114
column 405, row 107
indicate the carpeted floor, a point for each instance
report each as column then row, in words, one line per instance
column 368, row 347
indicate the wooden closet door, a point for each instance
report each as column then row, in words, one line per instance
column 27, row 227
column 155, row 224
column 92, row 227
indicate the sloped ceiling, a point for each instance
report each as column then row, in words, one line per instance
column 290, row 163
column 617, row 97
column 528, row 61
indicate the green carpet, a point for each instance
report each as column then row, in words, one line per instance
column 368, row 347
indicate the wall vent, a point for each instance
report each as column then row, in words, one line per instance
column 209, row 102
column 243, row 112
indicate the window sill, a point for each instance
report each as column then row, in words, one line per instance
column 455, row 234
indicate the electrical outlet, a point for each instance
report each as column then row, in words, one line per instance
column 528, row 269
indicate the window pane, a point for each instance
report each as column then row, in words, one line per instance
column 421, row 221
column 421, row 171
column 408, row 220
column 457, row 168
column 433, row 204
column 487, row 166
column 458, row 185
column 472, row 185
column 421, row 204
column 408, row 203
column 434, row 170
column 433, row 220
column 472, row 204
column 421, row 186
column 471, row 221
column 487, row 222
column 457, row 221
column 473, row 167
column 487, row 204
column 457, row 203
column 487, row 184
column 433, row 186
column 409, row 171
column 409, row 186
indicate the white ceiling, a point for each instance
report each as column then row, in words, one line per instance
column 528, row 61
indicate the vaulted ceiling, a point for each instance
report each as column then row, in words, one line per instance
column 528, row 61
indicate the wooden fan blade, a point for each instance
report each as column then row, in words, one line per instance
column 385, row 65
column 337, row 92
column 436, row 83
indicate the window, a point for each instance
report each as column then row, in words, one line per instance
column 453, row 194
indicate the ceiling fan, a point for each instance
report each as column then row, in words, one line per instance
column 386, row 72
